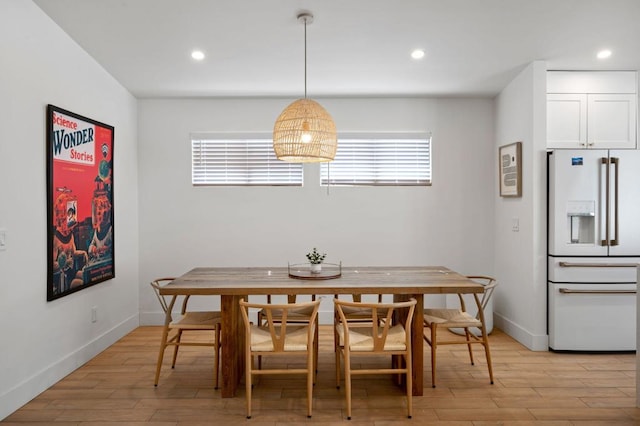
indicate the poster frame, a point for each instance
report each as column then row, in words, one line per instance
column 80, row 249
column 510, row 170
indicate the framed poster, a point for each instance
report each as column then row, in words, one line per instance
column 79, row 202
column 510, row 173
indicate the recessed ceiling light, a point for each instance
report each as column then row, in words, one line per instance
column 603, row 54
column 198, row 55
column 417, row 54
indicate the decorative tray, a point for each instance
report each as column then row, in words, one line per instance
column 303, row 272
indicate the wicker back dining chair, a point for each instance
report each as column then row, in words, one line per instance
column 186, row 321
column 379, row 335
column 280, row 333
column 460, row 319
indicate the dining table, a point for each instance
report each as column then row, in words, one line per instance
column 235, row 283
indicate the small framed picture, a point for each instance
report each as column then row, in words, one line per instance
column 510, row 173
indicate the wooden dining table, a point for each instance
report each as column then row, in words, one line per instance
column 235, row 283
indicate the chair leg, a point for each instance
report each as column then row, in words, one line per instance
column 337, row 352
column 433, row 354
column 163, row 346
column 259, row 356
column 247, row 379
column 311, row 374
column 468, row 336
column 487, row 352
column 216, row 348
column 485, row 338
column 159, row 365
column 175, row 349
column 316, row 348
column 409, row 381
column 347, row 381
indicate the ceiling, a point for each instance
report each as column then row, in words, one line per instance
column 255, row 48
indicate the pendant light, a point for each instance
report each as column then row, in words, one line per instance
column 305, row 132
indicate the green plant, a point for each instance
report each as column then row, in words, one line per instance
column 315, row 258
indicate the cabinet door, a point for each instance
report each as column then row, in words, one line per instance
column 611, row 121
column 566, row 121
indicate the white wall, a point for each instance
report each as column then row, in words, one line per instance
column 520, row 303
column 449, row 223
column 44, row 341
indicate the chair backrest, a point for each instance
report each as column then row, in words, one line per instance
column 381, row 320
column 489, row 284
column 277, row 326
column 157, row 284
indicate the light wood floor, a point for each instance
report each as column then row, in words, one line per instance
column 116, row 388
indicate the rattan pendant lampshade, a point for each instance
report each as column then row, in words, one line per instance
column 305, row 132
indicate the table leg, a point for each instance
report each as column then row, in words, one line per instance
column 232, row 351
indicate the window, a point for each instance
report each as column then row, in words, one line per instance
column 225, row 160
column 380, row 160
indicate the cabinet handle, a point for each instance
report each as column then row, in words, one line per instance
column 597, row 265
column 569, row 291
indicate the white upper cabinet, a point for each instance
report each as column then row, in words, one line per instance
column 595, row 109
column 566, row 121
column 611, row 121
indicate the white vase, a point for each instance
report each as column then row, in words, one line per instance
column 316, row 268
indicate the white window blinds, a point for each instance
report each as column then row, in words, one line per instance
column 239, row 161
column 380, row 160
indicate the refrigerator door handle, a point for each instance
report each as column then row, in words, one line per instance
column 616, row 162
column 597, row 265
column 569, row 291
column 605, row 205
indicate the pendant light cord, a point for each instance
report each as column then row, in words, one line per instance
column 305, row 58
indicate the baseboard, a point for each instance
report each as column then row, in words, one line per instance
column 152, row 318
column 24, row 392
column 531, row 341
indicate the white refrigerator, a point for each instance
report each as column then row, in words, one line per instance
column 593, row 249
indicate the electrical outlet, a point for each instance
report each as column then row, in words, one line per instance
column 94, row 314
column 515, row 224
